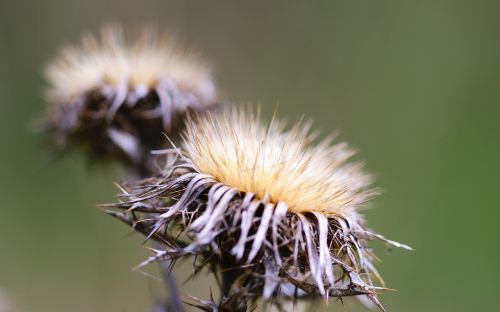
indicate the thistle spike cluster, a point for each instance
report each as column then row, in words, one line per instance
column 279, row 209
column 117, row 95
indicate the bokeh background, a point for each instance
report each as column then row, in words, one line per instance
column 414, row 85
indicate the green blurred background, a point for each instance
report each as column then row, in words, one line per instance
column 414, row 85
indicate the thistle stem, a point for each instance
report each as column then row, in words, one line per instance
column 232, row 299
column 175, row 303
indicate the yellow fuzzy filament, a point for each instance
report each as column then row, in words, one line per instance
column 141, row 61
column 241, row 152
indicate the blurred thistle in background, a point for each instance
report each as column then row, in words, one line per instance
column 266, row 209
column 117, row 96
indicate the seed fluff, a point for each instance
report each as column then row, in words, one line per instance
column 266, row 204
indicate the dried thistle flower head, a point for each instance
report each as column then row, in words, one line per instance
column 117, row 94
column 277, row 213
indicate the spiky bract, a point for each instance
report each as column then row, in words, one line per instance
column 264, row 203
column 117, row 95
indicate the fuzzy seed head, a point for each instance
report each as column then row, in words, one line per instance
column 116, row 96
column 243, row 153
column 143, row 61
column 272, row 212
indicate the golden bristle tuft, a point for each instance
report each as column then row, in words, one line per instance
column 142, row 60
column 241, row 152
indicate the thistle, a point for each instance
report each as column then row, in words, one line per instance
column 275, row 214
column 117, row 95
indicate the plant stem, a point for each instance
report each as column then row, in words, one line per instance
column 232, row 299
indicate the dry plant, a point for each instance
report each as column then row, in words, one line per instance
column 116, row 96
column 273, row 214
